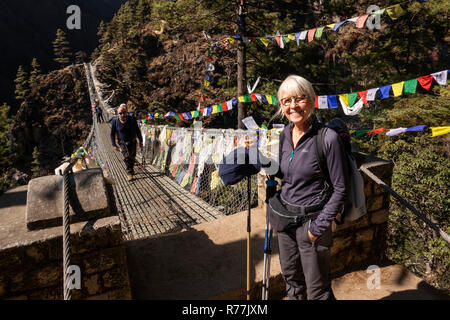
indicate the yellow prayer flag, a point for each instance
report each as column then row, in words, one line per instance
column 438, row 131
column 351, row 131
column 214, row 109
column 206, row 83
column 344, row 98
column 230, row 40
column 395, row 12
column 397, row 88
column 291, row 36
column 269, row 99
column 215, row 180
column 241, row 99
column 331, row 26
column 185, row 181
column 264, row 41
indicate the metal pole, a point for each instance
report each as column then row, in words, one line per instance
column 241, row 57
column 248, row 237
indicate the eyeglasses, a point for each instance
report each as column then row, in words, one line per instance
column 297, row 100
column 122, row 112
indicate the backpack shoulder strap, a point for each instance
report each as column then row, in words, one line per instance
column 319, row 146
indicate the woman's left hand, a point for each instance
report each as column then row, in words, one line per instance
column 312, row 237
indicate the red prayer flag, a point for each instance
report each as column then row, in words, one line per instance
column 377, row 130
column 181, row 116
column 311, row 33
column 316, row 104
column 278, row 39
column 426, row 81
column 253, row 97
column 202, row 98
column 361, row 21
column 224, row 106
column 363, row 95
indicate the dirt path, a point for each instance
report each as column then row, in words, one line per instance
column 396, row 283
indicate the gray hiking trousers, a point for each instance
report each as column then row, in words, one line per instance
column 305, row 265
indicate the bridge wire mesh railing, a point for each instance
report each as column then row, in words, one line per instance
column 191, row 157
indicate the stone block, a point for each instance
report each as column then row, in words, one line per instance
column 375, row 203
column 115, row 278
column 118, row 294
column 380, row 216
column 92, row 284
column 365, row 235
column 45, row 199
column 104, row 260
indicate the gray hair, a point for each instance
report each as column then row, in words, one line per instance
column 295, row 85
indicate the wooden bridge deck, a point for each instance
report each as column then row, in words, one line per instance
column 151, row 203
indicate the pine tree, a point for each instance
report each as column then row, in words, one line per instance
column 35, row 72
column 61, row 48
column 22, row 88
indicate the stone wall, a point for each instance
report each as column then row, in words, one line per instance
column 31, row 261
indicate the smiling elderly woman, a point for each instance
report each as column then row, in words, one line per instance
column 305, row 245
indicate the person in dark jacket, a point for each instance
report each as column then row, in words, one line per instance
column 99, row 114
column 305, row 248
column 126, row 129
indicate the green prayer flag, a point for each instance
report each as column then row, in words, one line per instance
column 219, row 108
column 360, row 133
column 196, row 114
column 247, row 98
column 274, row 100
column 378, row 12
column 352, row 98
column 177, row 117
column 410, row 86
column 319, row 32
column 264, row 127
column 286, row 39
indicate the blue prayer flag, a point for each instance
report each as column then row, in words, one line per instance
column 384, row 91
column 332, row 101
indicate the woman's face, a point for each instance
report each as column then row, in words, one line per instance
column 296, row 107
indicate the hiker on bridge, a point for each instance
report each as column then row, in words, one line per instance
column 99, row 114
column 305, row 245
column 126, row 128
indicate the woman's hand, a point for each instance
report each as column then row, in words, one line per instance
column 312, row 237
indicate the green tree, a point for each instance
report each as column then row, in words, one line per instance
column 22, row 86
column 35, row 72
column 6, row 154
column 61, row 49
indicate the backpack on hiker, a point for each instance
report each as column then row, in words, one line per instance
column 355, row 204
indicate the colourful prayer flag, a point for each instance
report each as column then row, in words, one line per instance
column 332, row 101
column 395, row 12
column 377, row 130
column 264, row 41
column 344, row 99
column 384, row 91
column 426, row 81
column 363, row 95
column 241, row 99
column 319, row 32
column 397, row 88
column 311, row 33
column 438, row 131
column 352, row 98
column 361, row 21
column 410, row 86
column 338, row 24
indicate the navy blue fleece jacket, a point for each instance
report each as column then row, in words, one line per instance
column 302, row 178
column 125, row 131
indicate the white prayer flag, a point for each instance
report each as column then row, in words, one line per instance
column 322, row 102
column 371, row 94
column 440, row 77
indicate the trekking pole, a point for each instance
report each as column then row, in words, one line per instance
column 248, row 237
column 271, row 187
